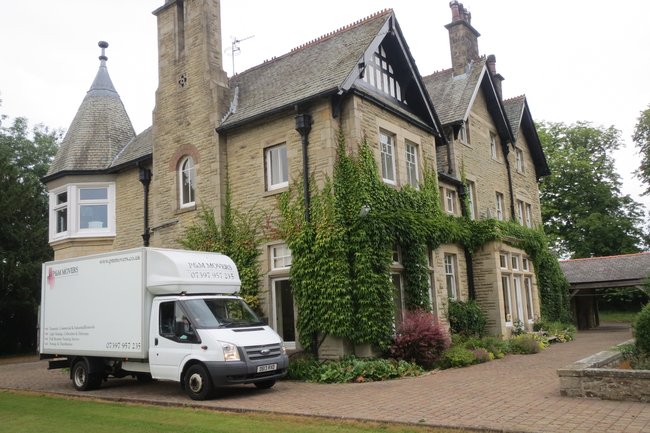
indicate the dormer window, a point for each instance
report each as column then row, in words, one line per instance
column 380, row 75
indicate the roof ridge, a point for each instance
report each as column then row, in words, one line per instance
column 343, row 29
column 606, row 257
column 522, row 96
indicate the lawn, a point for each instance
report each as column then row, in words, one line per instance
column 617, row 316
column 27, row 412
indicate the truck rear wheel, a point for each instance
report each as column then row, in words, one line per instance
column 198, row 384
column 82, row 379
column 265, row 384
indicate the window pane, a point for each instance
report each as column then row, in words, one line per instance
column 62, row 198
column 62, row 220
column 93, row 216
column 188, row 181
column 93, row 193
column 505, row 285
column 386, row 148
column 277, row 166
column 280, row 257
column 398, row 297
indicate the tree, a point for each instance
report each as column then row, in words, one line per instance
column 583, row 209
column 641, row 138
column 24, row 158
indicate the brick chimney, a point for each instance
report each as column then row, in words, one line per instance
column 497, row 78
column 463, row 38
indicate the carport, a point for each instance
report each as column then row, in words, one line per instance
column 588, row 277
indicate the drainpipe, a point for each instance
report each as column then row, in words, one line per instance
column 145, row 179
column 303, row 126
column 506, row 151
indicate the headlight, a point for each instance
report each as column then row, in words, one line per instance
column 230, row 352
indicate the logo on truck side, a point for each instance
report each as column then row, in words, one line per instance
column 53, row 274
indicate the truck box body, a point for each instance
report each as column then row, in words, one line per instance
column 100, row 305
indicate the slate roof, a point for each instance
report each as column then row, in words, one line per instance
column 316, row 68
column 452, row 95
column 612, row 268
column 521, row 119
column 139, row 148
column 99, row 131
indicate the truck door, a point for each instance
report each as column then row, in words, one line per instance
column 172, row 339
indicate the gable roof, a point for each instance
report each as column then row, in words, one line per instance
column 454, row 95
column 325, row 66
column 521, row 120
column 98, row 132
column 628, row 267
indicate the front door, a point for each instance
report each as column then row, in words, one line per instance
column 284, row 316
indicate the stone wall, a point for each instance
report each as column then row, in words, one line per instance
column 596, row 376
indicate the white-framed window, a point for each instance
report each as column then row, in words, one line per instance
column 411, row 163
column 450, row 201
column 397, row 254
column 529, row 215
column 515, row 262
column 60, row 212
column 519, row 159
column 82, row 210
column 387, row 152
column 280, row 257
column 463, row 133
column 503, row 260
column 380, row 75
column 398, row 296
column 528, row 290
column 493, row 146
column 500, row 206
column 507, row 300
column 519, row 298
column 187, row 182
column 450, row 276
column 520, row 212
column 471, row 199
column 277, row 167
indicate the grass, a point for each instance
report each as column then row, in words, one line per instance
column 26, row 413
column 617, row 316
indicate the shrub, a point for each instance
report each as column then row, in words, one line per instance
column 482, row 355
column 525, row 344
column 494, row 345
column 562, row 332
column 642, row 330
column 350, row 369
column 458, row 356
column 466, row 318
column 420, row 339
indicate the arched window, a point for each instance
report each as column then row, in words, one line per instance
column 187, row 182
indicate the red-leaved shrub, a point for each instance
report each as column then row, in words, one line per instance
column 420, row 338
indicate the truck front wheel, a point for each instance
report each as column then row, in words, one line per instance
column 82, row 379
column 198, row 384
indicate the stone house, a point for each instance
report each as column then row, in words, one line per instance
column 260, row 130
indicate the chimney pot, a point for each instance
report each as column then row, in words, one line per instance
column 491, row 64
column 455, row 13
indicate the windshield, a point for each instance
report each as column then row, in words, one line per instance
column 221, row 313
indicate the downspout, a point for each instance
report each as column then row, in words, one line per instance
column 468, row 254
column 303, row 126
column 506, row 152
column 145, row 179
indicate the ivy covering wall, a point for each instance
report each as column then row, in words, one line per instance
column 342, row 255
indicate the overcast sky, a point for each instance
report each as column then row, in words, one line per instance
column 574, row 60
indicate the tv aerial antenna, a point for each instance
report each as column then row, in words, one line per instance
column 235, row 50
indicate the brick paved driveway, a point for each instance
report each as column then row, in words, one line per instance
column 517, row 394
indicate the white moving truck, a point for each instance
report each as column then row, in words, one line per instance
column 155, row 313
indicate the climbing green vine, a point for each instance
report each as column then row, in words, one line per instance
column 343, row 254
column 237, row 237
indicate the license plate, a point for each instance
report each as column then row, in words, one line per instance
column 267, row 367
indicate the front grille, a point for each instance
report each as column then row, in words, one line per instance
column 263, row 352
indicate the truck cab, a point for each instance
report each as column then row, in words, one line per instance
column 205, row 341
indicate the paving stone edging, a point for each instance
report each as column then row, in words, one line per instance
column 593, row 377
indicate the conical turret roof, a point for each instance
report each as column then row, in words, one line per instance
column 100, row 129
